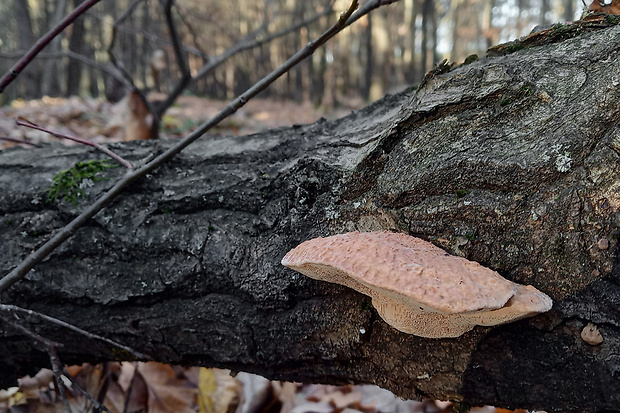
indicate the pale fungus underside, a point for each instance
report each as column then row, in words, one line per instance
column 416, row 287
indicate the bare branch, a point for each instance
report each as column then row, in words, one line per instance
column 248, row 43
column 96, row 404
column 100, row 148
column 57, row 368
column 76, row 56
column 38, row 255
column 186, row 76
column 14, row 309
column 126, row 75
column 42, row 42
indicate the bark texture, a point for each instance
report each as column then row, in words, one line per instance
column 512, row 161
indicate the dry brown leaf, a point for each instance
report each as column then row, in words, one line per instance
column 287, row 394
column 156, row 385
column 30, row 386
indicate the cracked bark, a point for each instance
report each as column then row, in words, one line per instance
column 511, row 161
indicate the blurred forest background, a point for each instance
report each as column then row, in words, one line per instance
column 392, row 47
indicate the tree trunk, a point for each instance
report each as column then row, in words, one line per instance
column 25, row 36
column 511, row 161
column 368, row 59
column 78, row 45
column 50, row 82
column 569, row 10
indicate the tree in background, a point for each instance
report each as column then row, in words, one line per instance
column 397, row 47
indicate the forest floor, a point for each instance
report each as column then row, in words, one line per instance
column 155, row 387
column 101, row 121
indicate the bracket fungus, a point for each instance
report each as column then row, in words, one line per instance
column 416, row 287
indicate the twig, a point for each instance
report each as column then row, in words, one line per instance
column 57, row 368
column 48, row 343
column 14, row 308
column 249, row 43
column 53, row 355
column 20, row 141
column 42, row 42
column 76, row 56
column 38, row 255
column 86, row 394
column 95, row 145
column 147, row 35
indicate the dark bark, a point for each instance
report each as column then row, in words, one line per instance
column 512, row 161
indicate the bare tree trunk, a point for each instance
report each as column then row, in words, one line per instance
column 368, row 59
column 78, row 45
column 569, row 10
column 500, row 161
column 465, row 32
column 545, row 8
column 50, row 83
column 21, row 11
column 297, row 72
column 411, row 74
column 427, row 10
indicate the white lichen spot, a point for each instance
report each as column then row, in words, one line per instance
column 220, row 198
column 332, row 214
column 86, row 183
column 36, row 200
column 424, row 376
column 23, row 234
column 362, row 330
column 534, row 216
column 356, row 204
column 168, row 192
column 466, row 203
column 144, row 285
column 545, row 157
column 563, row 162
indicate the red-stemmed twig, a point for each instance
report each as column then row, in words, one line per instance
column 63, row 234
column 103, row 149
column 42, row 42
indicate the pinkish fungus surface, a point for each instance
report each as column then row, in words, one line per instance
column 416, row 287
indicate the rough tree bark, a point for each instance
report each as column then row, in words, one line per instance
column 511, row 161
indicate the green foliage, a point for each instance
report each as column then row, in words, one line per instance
column 460, row 193
column 68, row 184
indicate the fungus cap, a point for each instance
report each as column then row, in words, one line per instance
column 415, row 286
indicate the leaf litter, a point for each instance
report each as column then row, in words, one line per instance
column 160, row 388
